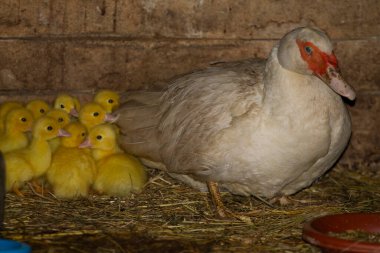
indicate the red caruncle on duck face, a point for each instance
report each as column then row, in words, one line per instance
column 317, row 60
column 325, row 67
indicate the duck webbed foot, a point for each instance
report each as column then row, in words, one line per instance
column 288, row 200
column 221, row 211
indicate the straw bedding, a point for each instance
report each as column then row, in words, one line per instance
column 171, row 217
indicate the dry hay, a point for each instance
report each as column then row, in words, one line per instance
column 170, row 217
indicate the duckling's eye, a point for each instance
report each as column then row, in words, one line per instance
column 23, row 119
column 110, row 101
column 42, row 111
column 309, row 50
column 83, row 134
column 60, row 119
column 99, row 137
column 96, row 114
column 49, row 128
column 62, row 106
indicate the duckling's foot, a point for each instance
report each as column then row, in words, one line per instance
column 17, row 191
column 37, row 188
column 221, row 210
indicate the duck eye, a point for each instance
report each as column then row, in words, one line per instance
column 309, row 50
column 23, row 119
column 49, row 128
column 60, row 119
column 62, row 106
column 42, row 111
column 96, row 114
column 83, row 134
column 99, row 137
column 110, row 101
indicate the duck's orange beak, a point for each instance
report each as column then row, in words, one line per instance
column 333, row 78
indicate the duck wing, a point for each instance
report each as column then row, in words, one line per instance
column 176, row 126
column 138, row 120
column 198, row 107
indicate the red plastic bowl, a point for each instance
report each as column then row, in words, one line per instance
column 316, row 232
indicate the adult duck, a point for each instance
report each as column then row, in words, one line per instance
column 267, row 128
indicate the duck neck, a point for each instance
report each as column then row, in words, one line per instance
column 15, row 134
column 284, row 89
column 101, row 153
column 41, row 155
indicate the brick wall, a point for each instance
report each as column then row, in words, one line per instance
column 52, row 45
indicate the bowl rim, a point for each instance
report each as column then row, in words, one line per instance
column 313, row 235
column 7, row 245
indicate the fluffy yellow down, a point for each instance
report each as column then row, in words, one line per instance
column 72, row 169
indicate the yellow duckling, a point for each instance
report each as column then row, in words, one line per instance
column 110, row 100
column 68, row 103
column 31, row 162
column 38, row 107
column 93, row 114
column 17, row 122
column 4, row 109
column 119, row 174
column 63, row 118
column 72, row 169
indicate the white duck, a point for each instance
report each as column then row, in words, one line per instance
column 264, row 128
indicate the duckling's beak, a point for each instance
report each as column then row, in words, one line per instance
column 334, row 79
column 111, row 118
column 74, row 113
column 85, row 144
column 63, row 133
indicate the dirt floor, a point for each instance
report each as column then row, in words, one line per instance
column 171, row 217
